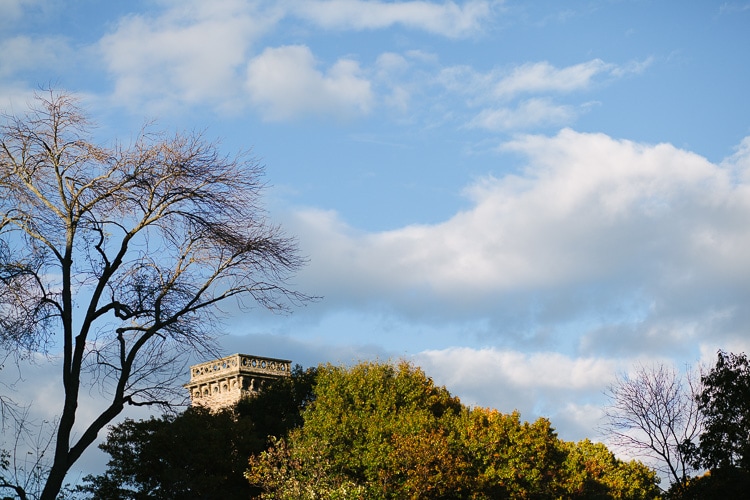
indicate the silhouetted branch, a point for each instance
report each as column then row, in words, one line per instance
column 125, row 252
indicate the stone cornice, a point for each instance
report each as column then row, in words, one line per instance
column 239, row 364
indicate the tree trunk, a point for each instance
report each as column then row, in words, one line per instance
column 55, row 480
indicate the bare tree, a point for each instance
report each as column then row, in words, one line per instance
column 120, row 255
column 653, row 413
column 23, row 465
column 6, row 482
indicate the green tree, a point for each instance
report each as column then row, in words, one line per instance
column 592, row 472
column 522, row 460
column 724, row 445
column 725, row 404
column 369, row 419
column 380, row 431
column 120, row 256
column 509, row 458
column 199, row 454
column 719, row 484
column 194, row 455
column 300, row 471
column 172, row 457
column 278, row 408
column 375, row 426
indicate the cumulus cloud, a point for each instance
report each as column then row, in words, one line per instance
column 447, row 19
column 284, row 82
column 191, row 53
column 523, row 371
column 540, row 384
column 640, row 237
column 201, row 53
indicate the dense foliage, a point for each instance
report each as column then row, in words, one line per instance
column 386, row 431
column 724, row 444
column 380, row 431
column 725, row 403
column 198, row 454
column 371, row 431
column 175, row 457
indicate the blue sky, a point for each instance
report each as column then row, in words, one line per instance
column 524, row 198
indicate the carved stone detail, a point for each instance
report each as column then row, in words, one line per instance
column 222, row 382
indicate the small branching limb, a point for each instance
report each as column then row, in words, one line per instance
column 28, row 307
column 24, row 462
column 18, row 490
column 653, row 414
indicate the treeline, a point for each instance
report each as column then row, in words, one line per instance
column 371, row 431
column 695, row 427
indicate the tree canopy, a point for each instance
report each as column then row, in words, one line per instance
column 173, row 457
column 689, row 426
column 373, row 430
column 119, row 255
column 379, row 431
column 725, row 403
column 724, row 444
column 198, row 454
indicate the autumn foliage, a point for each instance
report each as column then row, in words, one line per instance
column 381, row 431
column 370, row 431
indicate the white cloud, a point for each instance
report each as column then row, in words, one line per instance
column 22, row 53
column 447, row 18
column 201, row 53
column 576, row 185
column 390, row 71
column 500, row 92
column 14, row 10
column 523, row 371
column 543, row 77
column 631, row 68
column 190, row 53
column 648, row 240
column 530, row 78
column 14, row 97
column 732, row 8
column 284, row 82
column 465, row 80
column 568, row 390
column 528, row 114
column 389, row 63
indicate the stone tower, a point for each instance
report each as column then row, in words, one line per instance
column 222, row 382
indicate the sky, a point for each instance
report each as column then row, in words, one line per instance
column 525, row 199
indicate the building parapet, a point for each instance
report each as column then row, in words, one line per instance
column 222, row 382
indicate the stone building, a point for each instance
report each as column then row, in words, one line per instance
column 222, row 382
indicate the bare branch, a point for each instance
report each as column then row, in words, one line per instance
column 652, row 414
column 127, row 251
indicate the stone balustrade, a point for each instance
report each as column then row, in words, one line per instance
column 222, row 382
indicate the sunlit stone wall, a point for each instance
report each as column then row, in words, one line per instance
column 222, row 382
